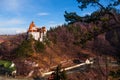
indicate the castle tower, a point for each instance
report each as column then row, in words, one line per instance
column 32, row 27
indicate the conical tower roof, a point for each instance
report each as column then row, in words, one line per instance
column 31, row 26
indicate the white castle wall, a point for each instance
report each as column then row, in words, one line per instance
column 35, row 35
column 41, row 39
column 42, row 36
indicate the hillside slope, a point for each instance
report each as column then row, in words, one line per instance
column 67, row 43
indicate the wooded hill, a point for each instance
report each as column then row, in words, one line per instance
column 79, row 40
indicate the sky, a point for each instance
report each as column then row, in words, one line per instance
column 16, row 15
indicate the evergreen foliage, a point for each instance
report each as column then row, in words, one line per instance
column 115, row 74
column 46, row 40
column 71, row 17
column 25, row 49
column 109, row 9
column 39, row 46
column 29, row 46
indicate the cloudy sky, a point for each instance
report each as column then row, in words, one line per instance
column 16, row 15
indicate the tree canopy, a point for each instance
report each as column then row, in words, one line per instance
column 72, row 17
column 111, row 3
column 108, row 8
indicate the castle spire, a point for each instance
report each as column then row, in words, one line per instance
column 31, row 26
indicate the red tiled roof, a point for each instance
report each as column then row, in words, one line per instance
column 33, row 28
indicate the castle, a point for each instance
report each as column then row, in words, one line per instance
column 37, row 33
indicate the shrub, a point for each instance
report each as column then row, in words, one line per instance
column 25, row 49
column 39, row 46
column 46, row 40
column 115, row 74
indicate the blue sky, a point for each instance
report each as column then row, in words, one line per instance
column 16, row 15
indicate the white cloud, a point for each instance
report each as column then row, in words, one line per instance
column 10, row 22
column 53, row 24
column 12, row 30
column 12, row 25
column 10, row 5
column 43, row 14
column 20, row 30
